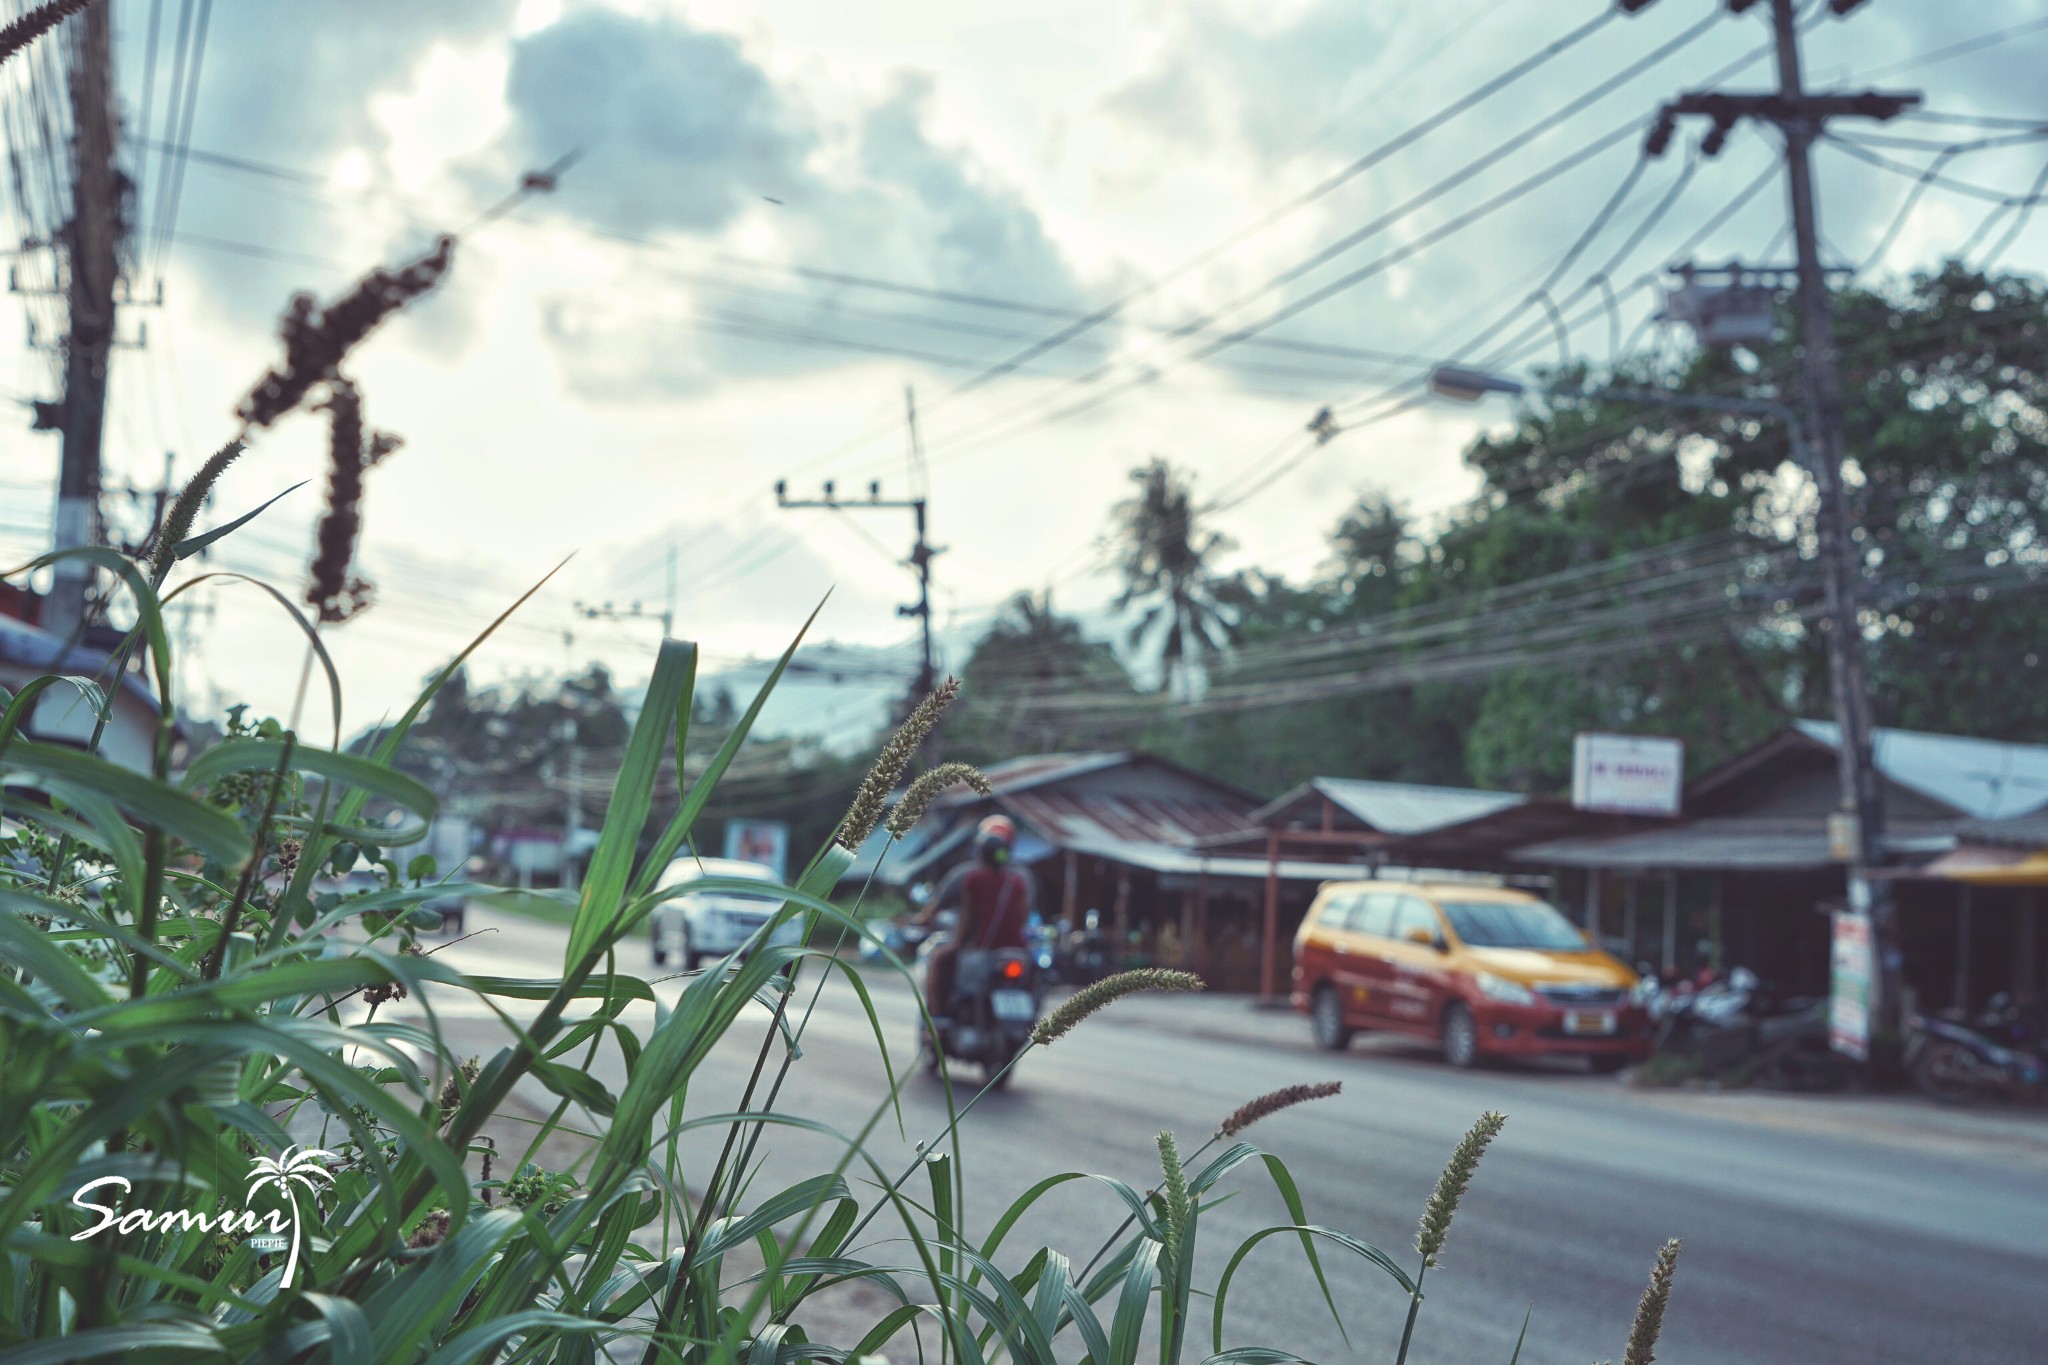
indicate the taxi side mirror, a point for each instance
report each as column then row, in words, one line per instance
column 1419, row 934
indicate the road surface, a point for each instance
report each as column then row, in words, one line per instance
column 1801, row 1247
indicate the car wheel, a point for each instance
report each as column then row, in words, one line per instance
column 654, row 944
column 1331, row 1033
column 1461, row 1038
column 1606, row 1064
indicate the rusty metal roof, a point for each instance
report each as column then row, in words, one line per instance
column 1063, row 817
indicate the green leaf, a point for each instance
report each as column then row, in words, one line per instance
column 141, row 1339
column 671, row 838
column 578, row 1086
column 1128, row 1325
column 611, row 863
column 149, row 801
column 345, row 770
column 1306, row 1230
column 192, row 545
column 797, row 1199
column 479, row 1342
column 23, row 702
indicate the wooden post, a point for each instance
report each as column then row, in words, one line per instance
column 1267, row 951
column 1120, row 918
column 1187, row 929
column 1070, row 893
column 2026, row 963
column 1714, row 921
column 1202, row 916
column 1670, row 922
column 1594, row 878
column 1962, row 999
column 1628, row 921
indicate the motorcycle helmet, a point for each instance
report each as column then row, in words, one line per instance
column 993, row 839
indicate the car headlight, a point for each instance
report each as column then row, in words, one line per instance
column 1506, row 991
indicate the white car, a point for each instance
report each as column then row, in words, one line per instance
column 699, row 924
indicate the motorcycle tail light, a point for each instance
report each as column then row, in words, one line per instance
column 1013, row 969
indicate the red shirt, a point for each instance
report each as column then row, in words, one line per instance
column 995, row 904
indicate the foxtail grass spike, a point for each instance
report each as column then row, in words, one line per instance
column 869, row 802
column 1174, row 1186
column 185, row 509
column 1642, row 1337
column 1450, row 1187
column 926, row 789
column 1089, row 999
column 317, row 340
column 35, row 24
column 1267, row 1105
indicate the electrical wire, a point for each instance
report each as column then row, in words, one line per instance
column 1953, row 50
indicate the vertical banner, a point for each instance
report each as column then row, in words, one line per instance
column 759, row 841
column 1849, row 993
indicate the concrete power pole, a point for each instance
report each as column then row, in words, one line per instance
column 92, row 242
column 920, row 562
column 1801, row 117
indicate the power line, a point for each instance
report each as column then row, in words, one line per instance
column 1977, row 44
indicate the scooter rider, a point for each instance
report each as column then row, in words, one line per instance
column 995, row 901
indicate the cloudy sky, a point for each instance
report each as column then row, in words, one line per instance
column 786, row 213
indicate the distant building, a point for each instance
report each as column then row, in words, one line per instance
column 63, row 715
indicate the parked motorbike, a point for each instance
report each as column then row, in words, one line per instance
column 996, row 1002
column 1999, row 1053
column 1085, row 956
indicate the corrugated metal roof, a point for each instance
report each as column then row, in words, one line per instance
column 1409, row 808
column 1731, row 843
column 1984, row 778
column 2019, row 831
column 1070, row 818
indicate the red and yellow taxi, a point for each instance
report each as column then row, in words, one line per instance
column 1484, row 971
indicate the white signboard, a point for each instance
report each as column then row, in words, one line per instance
column 759, row 841
column 1627, row 774
column 1849, row 988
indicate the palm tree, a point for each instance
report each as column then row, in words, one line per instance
column 294, row 1167
column 1167, row 560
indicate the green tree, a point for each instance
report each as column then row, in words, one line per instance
column 1031, row 652
column 1167, row 560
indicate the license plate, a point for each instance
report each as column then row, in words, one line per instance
column 1012, row 1005
column 1589, row 1021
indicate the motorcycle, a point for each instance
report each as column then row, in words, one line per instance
column 996, row 1002
column 1954, row 1061
column 1084, row 953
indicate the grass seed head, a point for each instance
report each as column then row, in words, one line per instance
column 1179, row 1206
column 316, row 340
column 926, row 789
column 889, row 766
column 1271, row 1103
column 1450, row 1187
column 1089, row 999
column 185, row 509
column 35, row 24
column 1642, row 1336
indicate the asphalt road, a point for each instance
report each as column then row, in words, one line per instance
column 1800, row 1246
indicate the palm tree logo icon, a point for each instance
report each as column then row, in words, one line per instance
column 294, row 1167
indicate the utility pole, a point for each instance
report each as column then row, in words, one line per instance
column 573, row 826
column 92, row 242
column 920, row 562
column 1800, row 117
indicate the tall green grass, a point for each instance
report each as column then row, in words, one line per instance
column 179, row 1008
